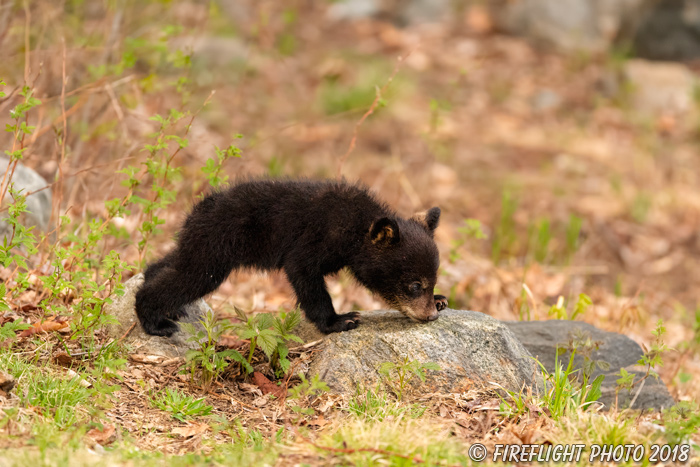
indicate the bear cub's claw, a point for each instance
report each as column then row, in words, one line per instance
column 440, row 302
column 344, row 322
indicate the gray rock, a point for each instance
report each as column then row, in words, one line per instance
column 38, row 204
column 425, row 11
column 210, row 51
column 589, row 25
column 665, row 30
column 348, row 10
column 659, row 87
column 542, row 338
column 471, row 348
column 402, row 12
column 140, row 342
column 546, row 100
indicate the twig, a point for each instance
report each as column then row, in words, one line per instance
column 59, row 198
column 168, row 161
column 354, row 450
column 87, row 169
column 634, row 399
column 370, row 111
column 128, row 331
column 27, row 24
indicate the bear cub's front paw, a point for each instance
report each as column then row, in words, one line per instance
column 344, row 322
column 440, row 302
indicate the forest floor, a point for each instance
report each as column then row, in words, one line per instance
column 576, row 189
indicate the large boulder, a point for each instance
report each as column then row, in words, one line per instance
column 122, row 308
column 27, row 180
column 542, row 338
column 472, row 350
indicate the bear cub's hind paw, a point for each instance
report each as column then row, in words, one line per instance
column 440, row 302
column 164, row 328
column 344, row 322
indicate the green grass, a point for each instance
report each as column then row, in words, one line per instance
column 179, row 405
column 356, row 92
column 376, row 405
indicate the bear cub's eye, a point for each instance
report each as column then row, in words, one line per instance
column 416, row 288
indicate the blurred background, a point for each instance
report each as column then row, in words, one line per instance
column 559, row 137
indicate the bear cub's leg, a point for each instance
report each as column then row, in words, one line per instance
column 186, row 274
column 313, row 298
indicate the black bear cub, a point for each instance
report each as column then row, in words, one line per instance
column 308, row 229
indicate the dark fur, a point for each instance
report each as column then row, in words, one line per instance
column 308, row 229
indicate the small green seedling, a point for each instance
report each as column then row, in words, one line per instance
column 404, row 372
column 205, row 362
column 271, row 334
column 181, row 406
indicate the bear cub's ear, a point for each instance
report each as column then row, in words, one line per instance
column 384, row 231
column 429, row 218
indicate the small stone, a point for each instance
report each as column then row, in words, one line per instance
column 546, row 100
column 425, row 11
column 27, row 180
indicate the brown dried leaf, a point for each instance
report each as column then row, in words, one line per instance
column 267, row 386
column 104, row 436
column 143, row 358
column 191, row 430
column 53, row 323
column 63, row 359
column 231, row 342
column 7, row 382
column 319, row 422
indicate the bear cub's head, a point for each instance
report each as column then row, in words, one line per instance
column 400, row 263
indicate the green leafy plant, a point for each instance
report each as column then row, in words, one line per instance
column 681, row 422
column 651, row 359
column 566, row 389
column 564, row 393
column 8, row 331
column 206, row 363
column 559, row 309
column 181, row 406
column 213, row 166
column 472, row 229
column 271, row 334
column 398, row 375
column 305, row 390
column 516, row 403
